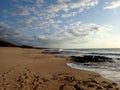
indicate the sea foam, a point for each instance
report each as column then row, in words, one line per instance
column 111, row 72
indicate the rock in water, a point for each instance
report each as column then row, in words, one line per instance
column 90, row 58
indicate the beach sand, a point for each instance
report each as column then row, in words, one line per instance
column 30, row 69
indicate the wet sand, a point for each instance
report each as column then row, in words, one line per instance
column 30, row 69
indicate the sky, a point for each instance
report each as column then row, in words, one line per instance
column 61, row 23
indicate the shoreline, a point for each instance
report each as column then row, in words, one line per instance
column 72, row 65
column 22, row 68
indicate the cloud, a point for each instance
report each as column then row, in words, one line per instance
column 42, row 12
column 48, row 25
column 22, row 12
column 13, row 35
column 68, row 15
column 79, row 29
column 75, row 33
column 63, row 1
column 72, row 34
column 27, row 22
column 58, row 7
column 27, row 0
column 39, row 1
column 84, row 4
column 112, row 5
column 66, row 6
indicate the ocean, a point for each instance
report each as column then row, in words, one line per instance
column 106, row 69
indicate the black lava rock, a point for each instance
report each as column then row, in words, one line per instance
column 90, row 58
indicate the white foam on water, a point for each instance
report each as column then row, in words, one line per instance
column 109, row 72
column 106, row 69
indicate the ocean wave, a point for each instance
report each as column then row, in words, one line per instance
column 112, row 53
column 116, row 54
column 111, row 72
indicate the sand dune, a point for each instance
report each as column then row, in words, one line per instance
column 30, row 69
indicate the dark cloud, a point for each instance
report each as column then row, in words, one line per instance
column 10, row 34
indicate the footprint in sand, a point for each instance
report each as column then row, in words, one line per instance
column 62, row 87
column 3, row 78
column 28, row 79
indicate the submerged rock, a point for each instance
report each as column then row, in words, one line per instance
column 90, row 58
column 118, row 58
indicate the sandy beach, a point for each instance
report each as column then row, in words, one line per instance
column 30, row 69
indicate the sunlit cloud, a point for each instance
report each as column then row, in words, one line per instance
column 52, row 23
column 112, row 5
column 83, row 4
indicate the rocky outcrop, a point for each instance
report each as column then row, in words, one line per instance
column 26, row 46
column 90, row 58
column 6, row 44
column 118, row 58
